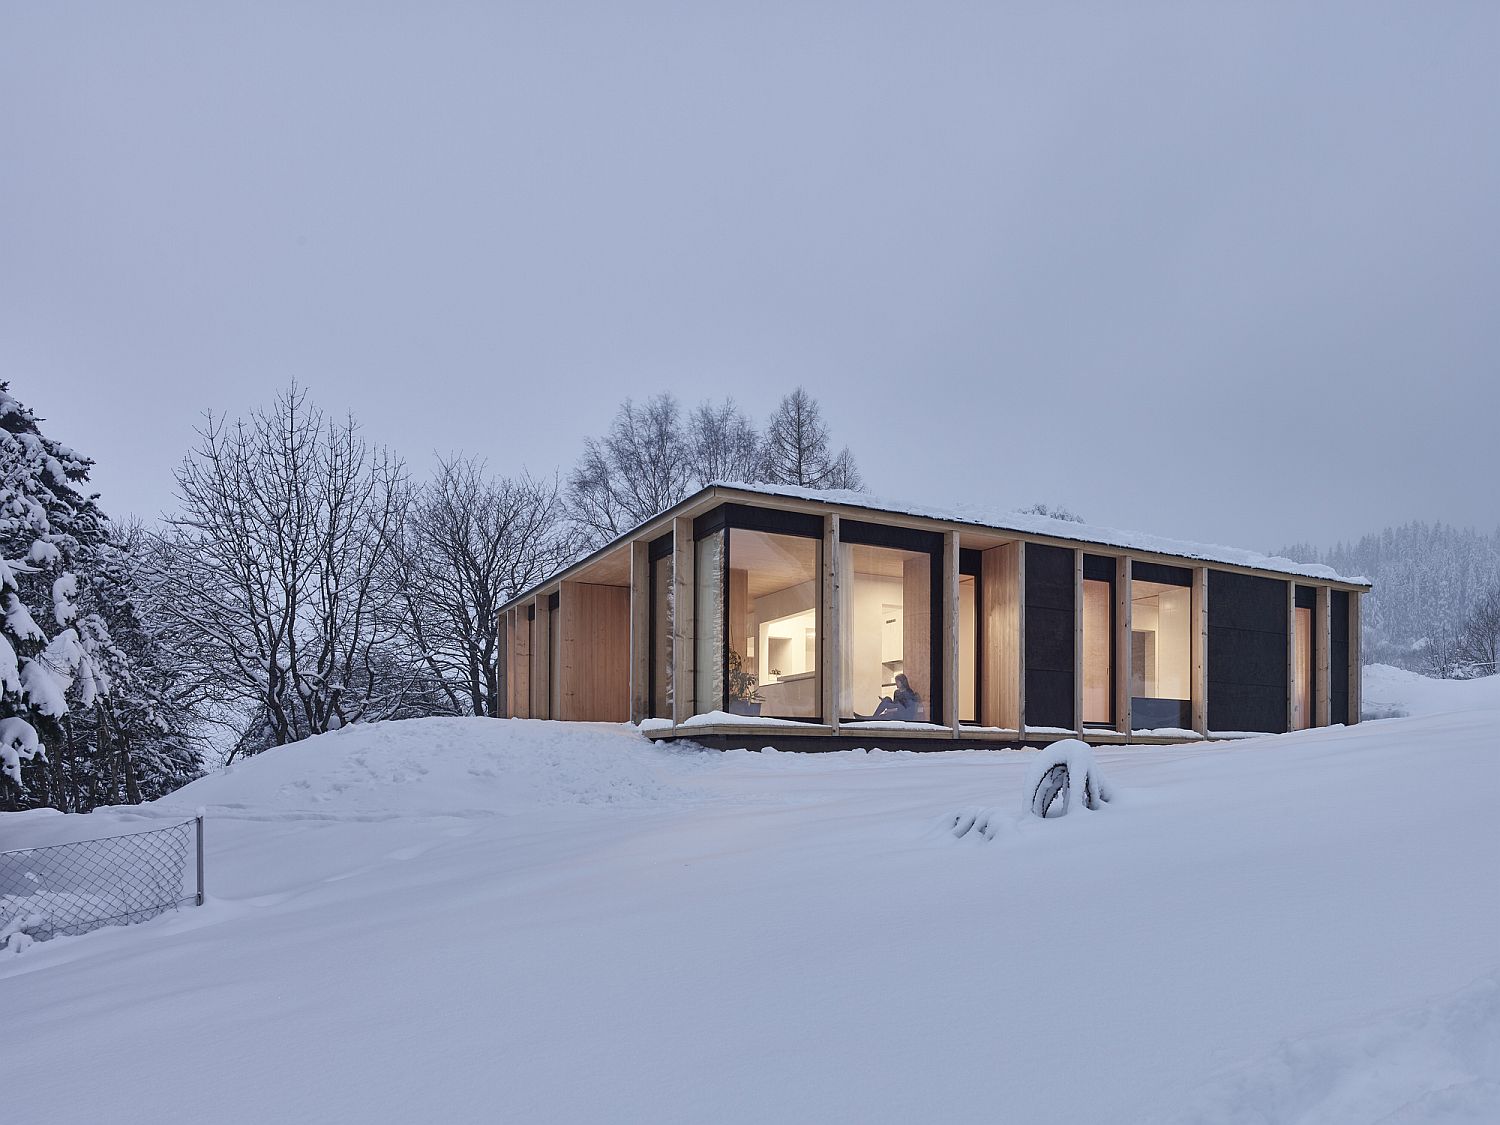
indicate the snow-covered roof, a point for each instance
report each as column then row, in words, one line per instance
column 998, row 519
column 993, row 519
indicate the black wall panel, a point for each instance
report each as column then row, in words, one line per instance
column 1049, row 636
column 1338, row 657
column 1247, row 652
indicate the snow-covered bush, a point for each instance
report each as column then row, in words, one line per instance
column 1064, row 777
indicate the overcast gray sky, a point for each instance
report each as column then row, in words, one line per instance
column 1221, row 272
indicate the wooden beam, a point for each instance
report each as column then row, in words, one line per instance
column 830, row 628
column 683, row 635
column 1322, row 678
column 1122, row 646
column 640, row 630
column 1200, row 649
column 1356, row 661
column 950, row 631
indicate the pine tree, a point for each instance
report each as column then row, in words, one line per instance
column 797, row 451
column 47, row 527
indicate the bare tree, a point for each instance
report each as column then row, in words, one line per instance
column 1053, row 511
column 641, row 467
column 270, row 575
column 1480, row 643
column 796, row 448
column 725, row 445
column 469, row 543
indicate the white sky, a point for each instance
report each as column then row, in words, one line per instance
column 1223, row 274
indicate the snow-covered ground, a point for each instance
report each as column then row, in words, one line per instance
column 521, row 921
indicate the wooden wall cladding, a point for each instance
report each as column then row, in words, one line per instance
column 1247, row 653
column 595, row 636
column 1000, row 637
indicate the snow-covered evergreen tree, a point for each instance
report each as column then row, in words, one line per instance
column 52, row 651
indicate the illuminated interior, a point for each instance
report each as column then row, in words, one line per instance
column 773, row 625
column 1098, row 653
column 1302, row 697
column 885, row 613
column 968, row 649
column 1161, row 656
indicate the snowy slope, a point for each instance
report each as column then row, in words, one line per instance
column 519, row 921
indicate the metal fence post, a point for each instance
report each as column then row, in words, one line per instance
column 199, row 819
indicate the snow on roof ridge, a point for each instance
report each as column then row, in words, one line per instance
column 1028, row 523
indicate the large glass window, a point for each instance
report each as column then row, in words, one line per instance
column 1098, row 649
column 1302, row 647
column 1161, row 654
column 773, row 628
column 661, row 630
column 886, row 619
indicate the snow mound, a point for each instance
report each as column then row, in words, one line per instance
column 1390, row 693
column 460, row 767
column 1433, row 1062
column 1063, row 778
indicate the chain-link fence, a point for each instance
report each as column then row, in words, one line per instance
column 74, row 888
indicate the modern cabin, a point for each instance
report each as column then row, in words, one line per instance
column 749, row 615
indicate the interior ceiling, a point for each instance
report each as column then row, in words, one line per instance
column 774, row 562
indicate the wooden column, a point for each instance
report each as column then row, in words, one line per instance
column 1200, row 649
column 1322, row 631
column 520, row 664
column 541, row 661
column 831, row 625
column 950, row 632
column 1078, row 640
column 683, row 634
column 1356, row 662
column 500, row 706
column 1002, row 697
column 640, row 631
column 1291, row 655
column 1122, row 646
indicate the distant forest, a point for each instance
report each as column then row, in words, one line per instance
column 1436, row 598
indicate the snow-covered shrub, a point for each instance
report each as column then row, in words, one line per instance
column 1064, row 777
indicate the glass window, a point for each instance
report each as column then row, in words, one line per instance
column 1161, row 656
column 885, row 616
column 1098, row 652
column 708, row 595
column 968, row 648
column 773, row 628
column 661, row 637
column 1302, row 697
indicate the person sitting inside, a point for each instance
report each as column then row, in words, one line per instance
column 902, row 704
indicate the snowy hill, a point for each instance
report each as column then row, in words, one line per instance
column 521, row 921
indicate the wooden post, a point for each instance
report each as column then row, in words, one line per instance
column 1322, row 632
column 640, row 631
column 1292, row 654
column 1122, row 646
column 1078, row 640
column 830, row 628
column 684, row 636
column 1200, row 650
column 1356, row 662
column 520, row 665
column 950, row 631
column 541, row 661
